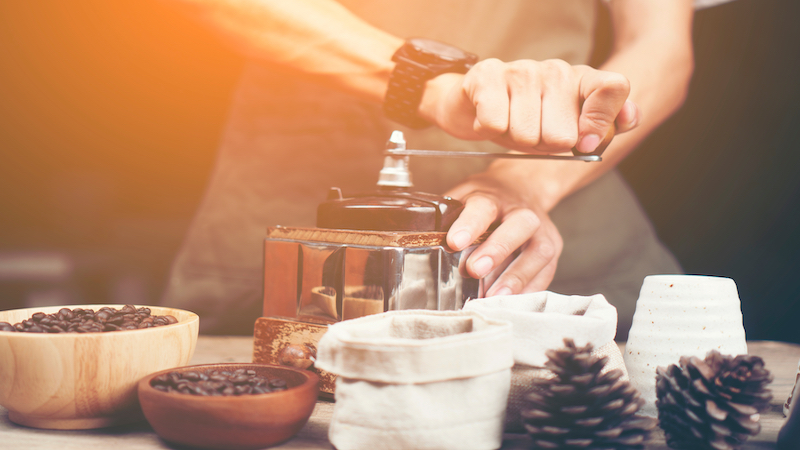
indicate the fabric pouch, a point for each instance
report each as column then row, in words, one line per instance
column 418, row 379
column 540, row 322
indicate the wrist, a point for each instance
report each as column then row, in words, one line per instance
column 437, row 88
column 417, row 62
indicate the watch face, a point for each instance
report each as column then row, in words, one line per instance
column 436, row 49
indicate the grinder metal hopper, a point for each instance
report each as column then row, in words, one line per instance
column 370, row 253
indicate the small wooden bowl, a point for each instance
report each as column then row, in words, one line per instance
column 231, row 422
column 71, row 381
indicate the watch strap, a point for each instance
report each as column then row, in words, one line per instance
column 404, row 93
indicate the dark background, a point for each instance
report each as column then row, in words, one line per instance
column 110, row 114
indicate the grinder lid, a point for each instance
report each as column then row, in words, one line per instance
column 388, row 209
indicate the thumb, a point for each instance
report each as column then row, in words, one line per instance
column 604, row 94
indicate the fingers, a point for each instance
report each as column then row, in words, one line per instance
column 525, row 106
column 604, row 95
column 543, row 279
column 534, row 268
column 520, row 255
column 480, row 211
column 559, row 108
column 516, row 229
column 489, row 95
column 547, row 106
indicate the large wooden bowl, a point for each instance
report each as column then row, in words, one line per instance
column 73, row 381
column 232, row 422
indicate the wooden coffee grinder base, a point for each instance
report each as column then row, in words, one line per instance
column 291, row 343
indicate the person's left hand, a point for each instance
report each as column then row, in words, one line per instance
column 521, row 254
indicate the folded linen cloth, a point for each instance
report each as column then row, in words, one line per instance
column 418, row 379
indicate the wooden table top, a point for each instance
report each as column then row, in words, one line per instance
column 781, row 359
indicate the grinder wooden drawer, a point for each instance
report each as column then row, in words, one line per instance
column 273, row 338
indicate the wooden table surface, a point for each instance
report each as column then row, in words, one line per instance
column 781, row 359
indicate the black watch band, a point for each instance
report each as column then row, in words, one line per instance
column 416, row 62
column 406, row 85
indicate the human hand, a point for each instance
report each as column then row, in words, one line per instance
column 531, row 106
column 489, row 198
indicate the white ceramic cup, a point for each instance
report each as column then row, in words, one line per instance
column 681, row 315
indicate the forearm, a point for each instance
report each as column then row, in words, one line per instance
column 316, row 38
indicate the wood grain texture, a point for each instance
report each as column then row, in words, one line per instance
column 406, row 239
column 272, row 335
column 79, row 381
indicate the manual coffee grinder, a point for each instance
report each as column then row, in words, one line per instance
column 374, row 252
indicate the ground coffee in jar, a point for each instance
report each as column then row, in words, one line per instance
column 80, row 320
column 217, row 383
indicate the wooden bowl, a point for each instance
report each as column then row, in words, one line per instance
column 70, row 381
column 232, row 422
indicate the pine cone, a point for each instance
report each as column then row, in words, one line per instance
column 712, row 403
column 582, row 408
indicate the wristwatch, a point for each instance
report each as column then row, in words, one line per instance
column 417, row 61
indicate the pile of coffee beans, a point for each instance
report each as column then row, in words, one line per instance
column 217, row 383
column 81, row 320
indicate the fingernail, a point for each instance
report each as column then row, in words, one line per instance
column 632, row 112
column 589, row 143
column 461, row 239
column 636, row 115
column 482, row 266
column 502, row 291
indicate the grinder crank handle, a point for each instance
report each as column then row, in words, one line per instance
column 396, row 146
column 612, row 131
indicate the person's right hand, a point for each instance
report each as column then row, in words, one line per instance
column 531, row 106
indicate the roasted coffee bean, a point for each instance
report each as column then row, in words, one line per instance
column 239, row 379
column 82, row 320
column 65, row 313
column 191, row 376
column 215, row 383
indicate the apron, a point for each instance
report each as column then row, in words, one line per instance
column 288, row 140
